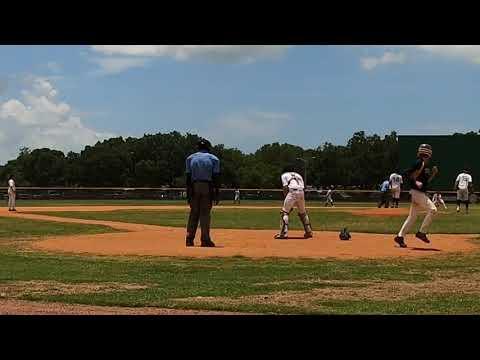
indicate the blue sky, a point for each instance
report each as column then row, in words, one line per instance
column 66, row 97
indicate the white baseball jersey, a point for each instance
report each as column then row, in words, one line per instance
column 436, row 197
column 293, row 181
column 463, row 181
column 11, row 185
column 396, row 180
column 329, row 193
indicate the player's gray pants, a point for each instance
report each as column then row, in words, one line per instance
column 420, row 201
column 329, row 200
column 462, row 195
column 11, row 200
column 200, row 207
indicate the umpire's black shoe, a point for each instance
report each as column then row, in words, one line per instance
column 189, row 242
column 422, row 236
column 400, row 241
column 208, row 243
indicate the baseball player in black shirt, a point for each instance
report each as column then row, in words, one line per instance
column 419, row 177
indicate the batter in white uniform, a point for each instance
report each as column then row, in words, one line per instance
column 12, row 194
column 293, row 187
column 462, row 185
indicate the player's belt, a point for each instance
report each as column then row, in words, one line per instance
column 294, row 190
column 202, row 181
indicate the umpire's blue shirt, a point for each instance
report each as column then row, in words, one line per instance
column 385, row 186
column 202, row 165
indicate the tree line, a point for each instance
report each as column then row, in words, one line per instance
column 159, row 160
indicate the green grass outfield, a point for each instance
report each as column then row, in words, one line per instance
column 447, row 222
column 16, row 228
column 440, row 284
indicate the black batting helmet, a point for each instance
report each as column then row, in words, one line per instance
column 425, row 149
column 204, row 144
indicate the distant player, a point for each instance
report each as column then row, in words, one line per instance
column 463, row 184
column 396, row 182
column 419, row 178
column 437, row 200
column 384, row 194
column 12, row 194
column 293, row 187
column 236, row 200
column 329, row 197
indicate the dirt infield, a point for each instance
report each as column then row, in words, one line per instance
column 21, row 307
column 150, row 240
column 379, row 212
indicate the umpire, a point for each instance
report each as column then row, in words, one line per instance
column 203, row 188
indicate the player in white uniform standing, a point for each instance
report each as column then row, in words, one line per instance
column 12, row 194
column 328, row 197
column 463, row 183
column 396, row 182
column 293, row 187
column 236, row 200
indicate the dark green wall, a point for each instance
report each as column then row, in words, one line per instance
column 451, row 153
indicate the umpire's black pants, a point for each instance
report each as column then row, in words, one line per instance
column 384, row 199
column 200, row 207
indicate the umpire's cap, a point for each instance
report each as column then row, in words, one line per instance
column 289, row 168
column 204, row 144
column 425, row 149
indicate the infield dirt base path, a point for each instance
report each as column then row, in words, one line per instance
column 21, row 307
column 151, row 240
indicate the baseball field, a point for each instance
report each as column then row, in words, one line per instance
column 129, row 257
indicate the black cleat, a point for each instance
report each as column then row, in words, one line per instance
column 400, row 241
column 308, row 235
column 280, row 236
column 208, row 243
column 189, row 242
column 422, row 236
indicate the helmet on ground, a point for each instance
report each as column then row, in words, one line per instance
column 344, row 234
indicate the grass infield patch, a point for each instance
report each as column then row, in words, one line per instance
column 445, row 222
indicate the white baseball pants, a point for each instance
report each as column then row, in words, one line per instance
column 420, row 201
column 11, row 199
column 396, row 193
column 295, row 198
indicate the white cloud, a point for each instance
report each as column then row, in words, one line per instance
column 40, row 119
column 115, row 65
column 54, row 66
column 470, row 53
column 214, row 53
column 252, row 128
column 466, row 52
column 389, row 57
